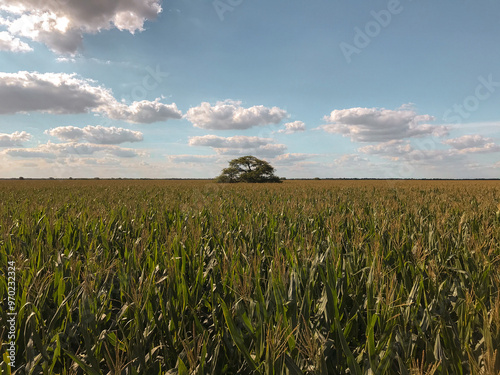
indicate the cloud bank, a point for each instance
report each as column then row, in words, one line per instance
column 61, row 93
column 239, row 145
column 96, row 134
column 293, row 127
column 61, row 24
column 55, row 150
column 15, row 139
column 12, row 44
column 380, row 125
column 468, row 141
column 229, row 114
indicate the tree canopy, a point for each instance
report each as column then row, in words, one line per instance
column 248, row 169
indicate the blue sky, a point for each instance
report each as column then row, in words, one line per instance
column 151, row 88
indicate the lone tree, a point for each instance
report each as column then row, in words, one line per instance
column 248, row 169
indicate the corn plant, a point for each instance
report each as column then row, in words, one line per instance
column 303, row 277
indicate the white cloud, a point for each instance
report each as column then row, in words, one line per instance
column 429, row 160
column 60, row 24
column 286, row 159
column 50, row 92
column 350, row 160
column 67, row 133
column 270, row 151
column 14, row 140
column 193, row 159
column 238, row 141
column 229, row 114
column 293, row 127
column 96, row 134
column 239, row 145
column 30, row 153
column 468, row 141
column 145, row 112
column 398, row 150
column 380, row 125
column 392, row 148
column 12, row 44
column 61, row 93
column 108, row 161
column 121, row 152
column 57, row 150
column 63, row 59
column 487, row 148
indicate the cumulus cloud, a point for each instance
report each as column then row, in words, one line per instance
column 292, row 158
column 238, row 141
column 193, row 158
column 145, row 112
column 67, row 133
column 270, row 151
column 54, row 150
column 468, row 141
column 350, row 160
column 487, row 148
column 293, row 127
column 229, row 114
column 30, row 153
column 403, row 151
column 50, row 92
column 239, row 145
column 60, row 24
column 96, row 134
column 380, row 125
column 14, row 140
column 61, row 93
column 410, row 158
column 392, row 148
column 429, row 154
column 12, row 44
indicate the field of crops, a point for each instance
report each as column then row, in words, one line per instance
column 303, row 277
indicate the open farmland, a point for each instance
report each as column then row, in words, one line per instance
column 304, row 277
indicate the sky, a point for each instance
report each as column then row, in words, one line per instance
column 178, row 88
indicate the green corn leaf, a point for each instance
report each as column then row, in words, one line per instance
column 353, row 364
column 5, row 364
column 182, row 369
column 236, row 335
column 88, row 369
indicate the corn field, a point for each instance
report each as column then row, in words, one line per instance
column 304, row 277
